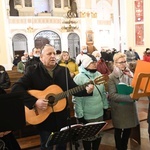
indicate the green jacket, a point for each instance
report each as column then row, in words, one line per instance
column 21, row 67
column 90, row 107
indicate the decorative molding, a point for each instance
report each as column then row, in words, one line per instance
column 88, row 14
column 103, row 22
column 35, row 20
column 69, row 25
column 30, row 29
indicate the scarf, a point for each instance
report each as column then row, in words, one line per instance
column 124, row 76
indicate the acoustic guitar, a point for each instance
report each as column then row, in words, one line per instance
column 56, row 100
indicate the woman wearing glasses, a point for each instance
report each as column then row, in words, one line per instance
column 123, row 107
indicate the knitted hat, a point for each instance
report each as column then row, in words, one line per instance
column 147, row 50
column 96, row 54
column 87, row 59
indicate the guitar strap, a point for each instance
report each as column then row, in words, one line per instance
column 95, row 86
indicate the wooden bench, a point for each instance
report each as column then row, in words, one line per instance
column 27, row 137
column 29, row 142
column 14, row 76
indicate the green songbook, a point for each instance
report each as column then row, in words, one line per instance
column 125, row 89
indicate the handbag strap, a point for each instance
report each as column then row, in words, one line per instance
column 95, row 86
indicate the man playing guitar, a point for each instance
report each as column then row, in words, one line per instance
column 42, row 85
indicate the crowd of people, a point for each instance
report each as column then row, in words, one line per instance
column 47, row 68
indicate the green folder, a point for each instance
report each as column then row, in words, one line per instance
column 125, row 89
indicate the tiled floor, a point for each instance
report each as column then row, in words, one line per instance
column 108, row 143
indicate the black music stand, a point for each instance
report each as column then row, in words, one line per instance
column 77, row 132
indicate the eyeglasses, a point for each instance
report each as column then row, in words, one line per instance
column 122, row 62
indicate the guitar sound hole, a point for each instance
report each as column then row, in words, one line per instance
column 51, row 100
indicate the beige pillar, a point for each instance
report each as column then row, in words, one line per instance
column 4, row 35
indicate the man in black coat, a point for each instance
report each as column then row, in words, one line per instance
column 46, row 74
column 36, row 58
column 4, row 78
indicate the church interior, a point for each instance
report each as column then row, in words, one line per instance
column 68, row 25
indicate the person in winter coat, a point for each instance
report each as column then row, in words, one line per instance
column 4, row 78
column 146, row 56
column 21, row 64
column 131, row 56
column 36, row 58
column 123, row 107
column 90, row 109
column 43, row 75
column 68, row 62
column 7, row 139
column 79, row 57
column 101, row 65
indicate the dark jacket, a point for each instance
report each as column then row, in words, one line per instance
column 4, row 80
column 37, row 77
column 2, row 91
column 16, row 60
column 9, row 139
column 137, row 57
column 130, row 55
column 148, row 118
column 34, row 60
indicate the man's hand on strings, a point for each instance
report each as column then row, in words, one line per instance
column 41, row 104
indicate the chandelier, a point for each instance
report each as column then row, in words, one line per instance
column 69, row 23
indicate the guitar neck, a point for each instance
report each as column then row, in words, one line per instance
column 71, row 91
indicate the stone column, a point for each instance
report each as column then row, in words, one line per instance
column 5, row 58
column 64, row 42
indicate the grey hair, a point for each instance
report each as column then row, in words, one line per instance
column 47, row 45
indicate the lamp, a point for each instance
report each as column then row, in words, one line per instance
column 69, row 25
column 69, row 28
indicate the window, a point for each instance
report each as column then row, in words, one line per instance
column 17, row 2
column 66, row 4
column 28, row 3
column 19, row 42
column 52, row 37
column 57, row 3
